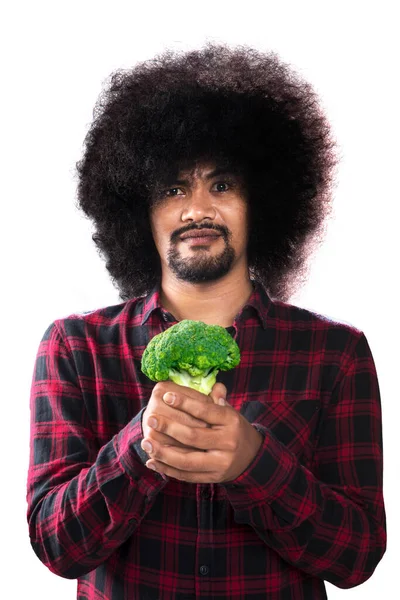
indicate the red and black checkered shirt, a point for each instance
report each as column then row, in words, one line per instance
column 308, row 508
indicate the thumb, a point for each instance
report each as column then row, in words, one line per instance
column 218, row 391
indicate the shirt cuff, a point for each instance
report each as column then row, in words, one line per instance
column 130, row 453
column 268, row 473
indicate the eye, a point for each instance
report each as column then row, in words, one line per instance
column 228, row 183
column 167, row 192
column 171, row 192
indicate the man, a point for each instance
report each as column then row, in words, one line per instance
column 208, row 178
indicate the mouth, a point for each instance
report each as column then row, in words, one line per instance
column 200, row 238
column 203, row 234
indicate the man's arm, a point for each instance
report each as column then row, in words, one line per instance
column 328, row 520
column 83, row 500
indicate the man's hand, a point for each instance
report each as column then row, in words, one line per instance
column 220, row 452
column 157, row 406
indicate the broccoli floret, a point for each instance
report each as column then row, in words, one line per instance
column 190, row 353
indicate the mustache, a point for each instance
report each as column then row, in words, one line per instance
column 224, row 231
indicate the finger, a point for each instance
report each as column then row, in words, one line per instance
column 218, row 391
column 162, row 387
column 213, row 414
column 190, row 477
column 164, row 440
column 180, row 417
column 182, row 449
column 196, row 437
column 195, row 460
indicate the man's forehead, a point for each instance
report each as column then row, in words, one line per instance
column 201, row 171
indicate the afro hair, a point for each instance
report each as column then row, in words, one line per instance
column 233, row 107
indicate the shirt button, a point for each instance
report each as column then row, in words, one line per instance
column 204, row 569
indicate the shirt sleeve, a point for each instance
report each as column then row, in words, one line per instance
column 83, row 500
column 327, row 520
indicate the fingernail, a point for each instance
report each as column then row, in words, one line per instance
column 147, row 447
column 151, row 466
column 221, row 401
column 152, row 422
column 169, row 398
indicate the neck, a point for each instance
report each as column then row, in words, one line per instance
column 214, row 303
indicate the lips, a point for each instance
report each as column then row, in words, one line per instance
column 202, row 233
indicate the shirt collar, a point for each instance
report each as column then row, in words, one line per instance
column 259, row 301
column 152, row 303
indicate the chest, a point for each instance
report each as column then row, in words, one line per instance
column 284, row 396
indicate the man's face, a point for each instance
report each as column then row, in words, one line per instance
column 199, row 224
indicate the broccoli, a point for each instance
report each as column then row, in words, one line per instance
column 190, row 353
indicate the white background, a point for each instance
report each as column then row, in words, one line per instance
column 55, row 56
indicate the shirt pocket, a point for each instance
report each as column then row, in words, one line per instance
column 293, row 421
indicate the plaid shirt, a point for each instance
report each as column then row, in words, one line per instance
column 308, row 508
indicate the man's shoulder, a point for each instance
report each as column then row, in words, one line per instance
column 107, row 318
column 300, row 317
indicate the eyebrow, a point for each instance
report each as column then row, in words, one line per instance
column 220, row 171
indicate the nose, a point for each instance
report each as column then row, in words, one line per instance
column 198, row 206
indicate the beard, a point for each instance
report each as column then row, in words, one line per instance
column 201, row 267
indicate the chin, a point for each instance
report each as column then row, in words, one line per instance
column 202, row 267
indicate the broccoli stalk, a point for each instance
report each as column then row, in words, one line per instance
column 203, row 382
column 191, row 354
